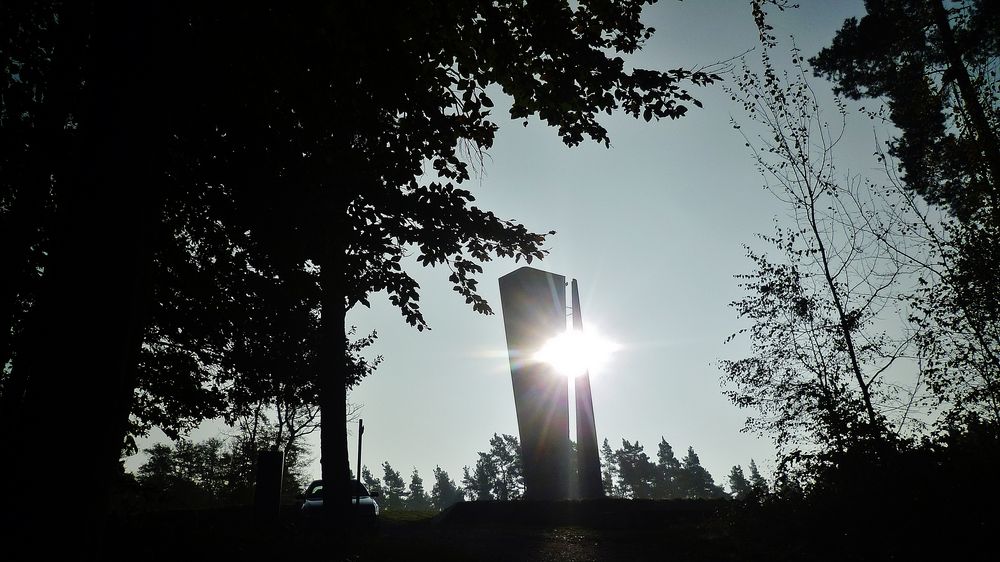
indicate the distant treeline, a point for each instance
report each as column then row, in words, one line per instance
column 217, row 472
column 214, row 472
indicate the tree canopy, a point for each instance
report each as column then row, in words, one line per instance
column 935, row 66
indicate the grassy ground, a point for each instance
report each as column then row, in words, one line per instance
column 567, row 532
column 529, row 531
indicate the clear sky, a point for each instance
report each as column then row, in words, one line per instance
column 653, row 230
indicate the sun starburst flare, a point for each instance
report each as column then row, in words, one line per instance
column 576, row 352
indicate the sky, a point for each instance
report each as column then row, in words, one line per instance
column 652, row 228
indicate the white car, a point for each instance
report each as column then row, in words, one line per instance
column 312, row 502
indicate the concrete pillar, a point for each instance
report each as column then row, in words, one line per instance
column 534, row 310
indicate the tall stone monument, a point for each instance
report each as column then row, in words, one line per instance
column 534, row 310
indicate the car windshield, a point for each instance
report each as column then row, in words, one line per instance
column 315, row 491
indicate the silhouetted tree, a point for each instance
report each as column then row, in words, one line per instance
column 816, row 376
column 498, row 473
column 757, row 483
column 668, row 472
column 739, row 486
column 79, row 82
column 373, row 484
column 417, row 498
column 393, row 487
column 695, row 481
column 935, row 65
column 505, row 458
column 937, row 273
column 165, row 485
column 157, row 474
column 609, row 469
column 202, row 463
column 636, row 473
column 444, row 493
column 478, row 485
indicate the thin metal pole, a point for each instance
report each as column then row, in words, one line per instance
column 361, row 433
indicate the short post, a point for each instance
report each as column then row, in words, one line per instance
column 361, row 433
column 267, row 488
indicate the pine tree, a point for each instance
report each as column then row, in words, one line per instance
column 738, row 483
column 479, row 484
column 609, row 469
column 635, row 470
column 444, row 493
column 947, row 146
column 394, row 488
column 696, row 482
column 757, row 483
column 373, row 484
column 417, row 499
column 507, row 469
column 668, row 473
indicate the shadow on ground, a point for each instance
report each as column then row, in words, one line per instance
column 565, row 531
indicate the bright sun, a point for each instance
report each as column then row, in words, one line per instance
column 573, row 352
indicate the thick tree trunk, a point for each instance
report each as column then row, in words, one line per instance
column 29, row 220
column 83, row 335
column 333, row 370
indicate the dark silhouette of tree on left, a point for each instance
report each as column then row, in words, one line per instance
column 89, row 93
